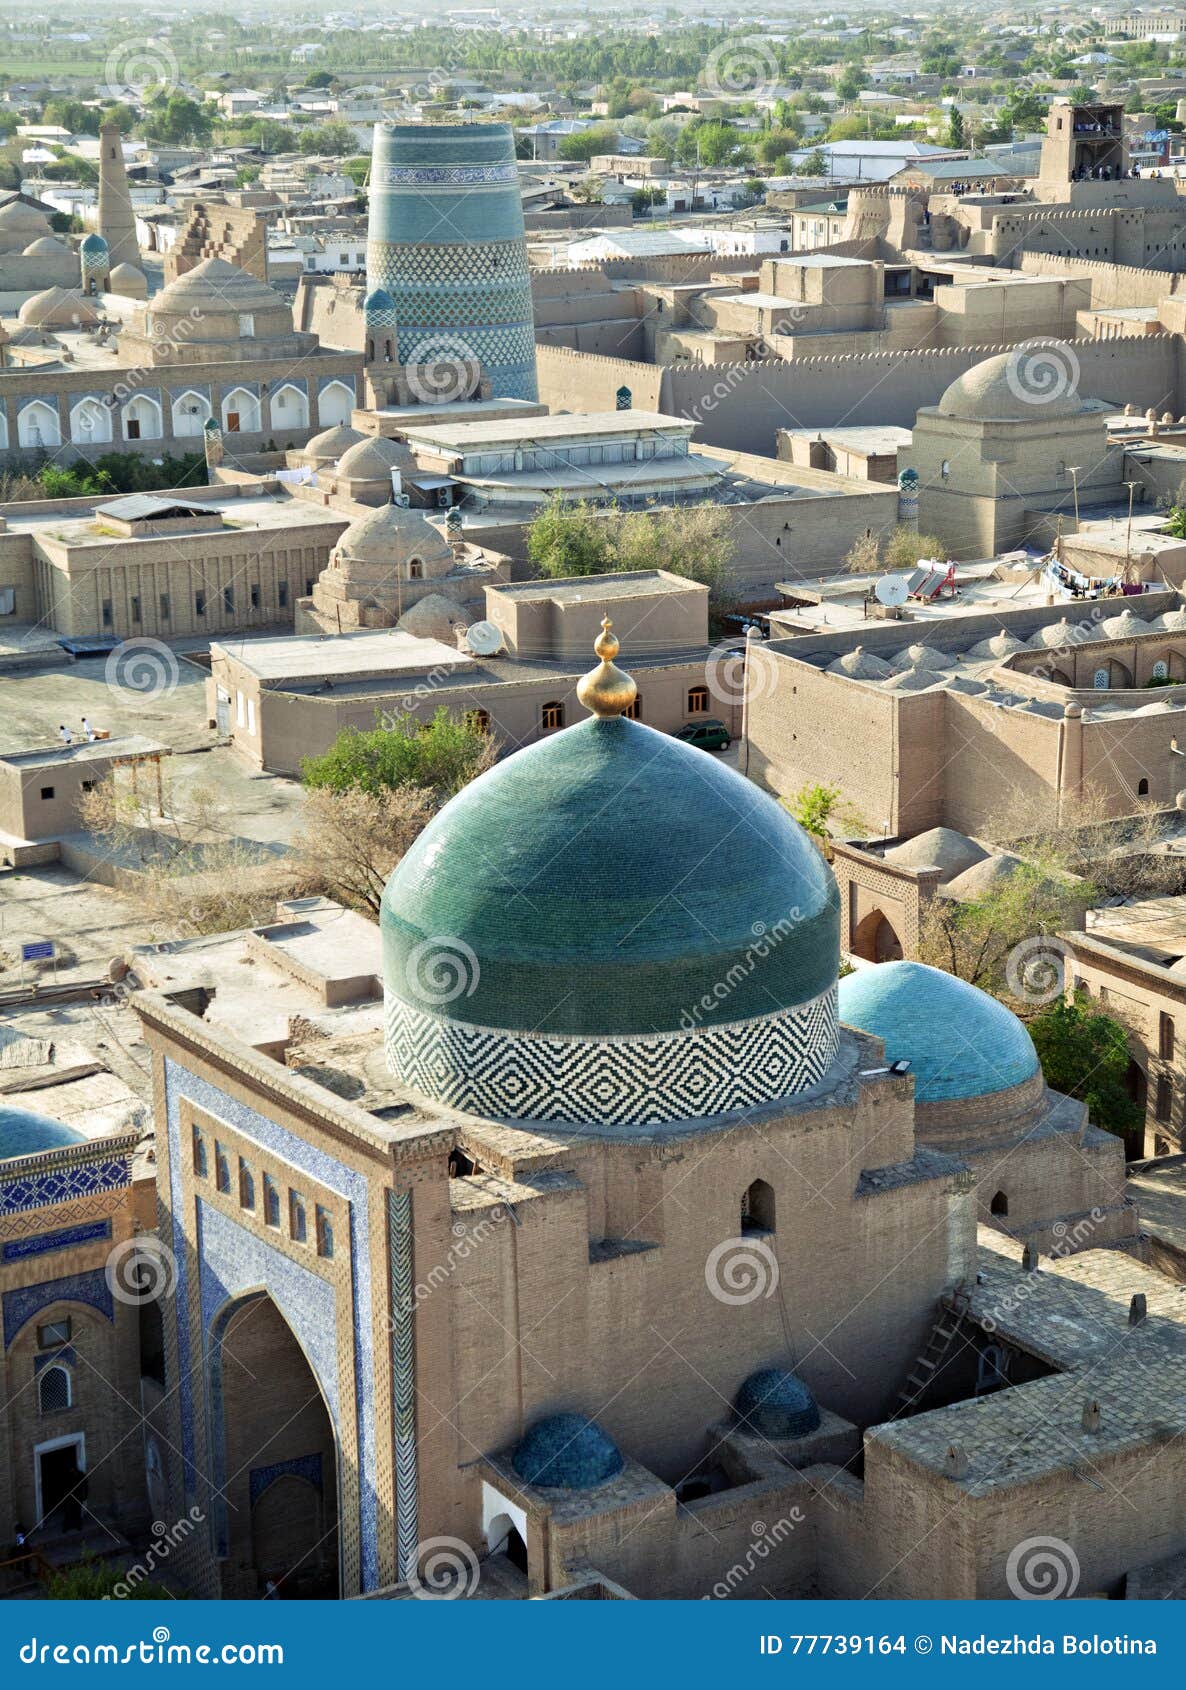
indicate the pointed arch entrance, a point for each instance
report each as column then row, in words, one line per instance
column 274, row 1458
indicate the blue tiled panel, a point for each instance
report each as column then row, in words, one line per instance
column 63, row 1185
column 349, row 1184
column 43, row 1242
column 299, row 1467
column 21, row 1305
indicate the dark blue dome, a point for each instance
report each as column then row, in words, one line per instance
column 773, row 1403
column 378, row 301
column 22, row 1133
column 567, row 1451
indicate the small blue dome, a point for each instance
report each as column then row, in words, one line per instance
column 773, row 1403
column 378, row 302
column 93, row 246
column 567, row 1451
column 22, row 1133
column 959, row 1041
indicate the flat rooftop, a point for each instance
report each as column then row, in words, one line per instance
column 305, row 657
column 874, row 439
column 249, row 511
column 575, row 589
column 83, row 751
column 563, row 427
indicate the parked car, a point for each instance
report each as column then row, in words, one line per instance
column 709, row 734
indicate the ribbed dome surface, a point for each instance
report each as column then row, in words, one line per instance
column 773, row 1403
column 959, row 1041
column 567, row 1451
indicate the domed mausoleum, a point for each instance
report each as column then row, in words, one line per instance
column 610, row 926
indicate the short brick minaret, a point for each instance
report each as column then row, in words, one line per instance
column 117, row 221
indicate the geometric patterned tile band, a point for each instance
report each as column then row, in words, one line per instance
column 635, row 1081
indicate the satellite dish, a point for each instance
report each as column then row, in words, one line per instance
column 891, row 590
column 483, row 638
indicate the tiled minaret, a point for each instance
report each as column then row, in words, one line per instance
column 446, row 242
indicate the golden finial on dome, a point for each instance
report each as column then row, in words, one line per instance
column 607, row 690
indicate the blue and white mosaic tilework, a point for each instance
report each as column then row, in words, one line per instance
column 28, row 1300
column 336, row 1176
column 62, row 1185
column 41, row 1243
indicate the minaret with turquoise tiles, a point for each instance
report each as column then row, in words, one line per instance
column 446, row 242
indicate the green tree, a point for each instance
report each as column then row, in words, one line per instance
column 439, row 756
column 991, row 940
column 813, row 807
column 93, row 1580
column 569, row 539
column 582, row 146
column 1085, row 1053
column 955, row 128
column 905, row 548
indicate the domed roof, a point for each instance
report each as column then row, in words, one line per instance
column 773, row 1403
column 328, row 446
column 93, row 245
column 22, row 1133
column 15, row 214
column 610, row 929
column 605, row 879
column 1170, row 622
column 217, row 287
column 959, row 1041
column 1124, row 626
column 861, row 665
column 434, row 617
column 127, row 273
column 920, row 657
column 567, row 1451
column 60, row 308
column 45, row 246
column 1001, row 644
column 372, row 459
column 377, row 301
column 1054, row 636
column 1017, row 386
column 391, row 534
column 938, row 847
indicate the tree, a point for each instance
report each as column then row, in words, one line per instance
column 981, row 941
column 864, row 555
column 439, row 756
column 194, row 874
column 1084, row 1052
column 955, row 128
column 94, row 1580
column 815, row 164
column 904, row 548
column 582, row 146
column 174, row 118
column 569, row 539
column 581, row 539
column 350, row 841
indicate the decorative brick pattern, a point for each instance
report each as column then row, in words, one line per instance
column 21, row 1305
column 42, row 1243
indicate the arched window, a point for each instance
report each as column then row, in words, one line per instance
column 191, row 412
column 1142, row 788
column 335, row 402
column 697, row 701
column 757, row 1208
column 552, row 717
column 415, row 569
column 53, row 1390
column 999, row 1204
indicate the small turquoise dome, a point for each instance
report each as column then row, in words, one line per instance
column 93, row 246
column 959, row 1041
column 377, row 300
column 609, row 880
column 773, row 1403
column 22, row 1133
column 567, row 1451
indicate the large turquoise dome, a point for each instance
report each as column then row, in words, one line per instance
column 22, row 1133
column 611, row 925
column 959, row 1041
